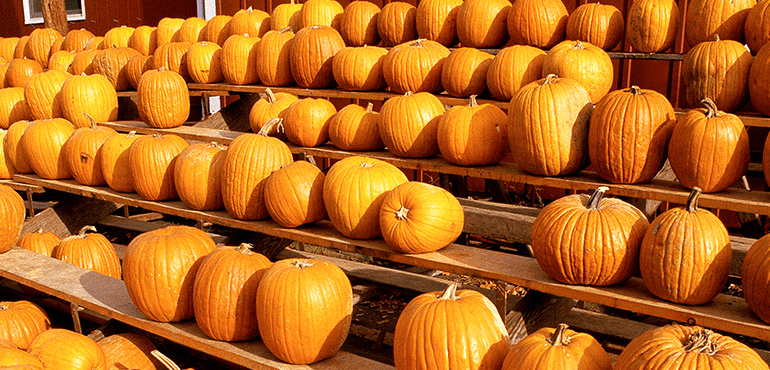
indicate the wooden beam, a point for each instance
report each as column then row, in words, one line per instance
column 55, row 16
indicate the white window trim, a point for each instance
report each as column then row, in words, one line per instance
column 30, row 19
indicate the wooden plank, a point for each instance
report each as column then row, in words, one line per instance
column 108, row 296
column 69, row 215
column 194, row 93
column 20, row 186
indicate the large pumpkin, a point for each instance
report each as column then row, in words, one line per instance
column 271, row 106
column 559, row 348
column 191, row 30
column 113, row 157
column 595, row 23
column 40, row 241
column 356, row 128
column 90, row 251
column 304, row 310
column 42, row 142
column 111, row 63
column 65, row 349
column 473, row 135
column 464, row 72
column 583, row 62
column 311, row 56
column 81, row 153
column 718, row 70
column 397, row 23
column 144, row 40
column 358, row 24
column 197, row 176
column 326, row 13
column 415, row 66
column 483, row 23
column 429, row 334
column 294, row 194
column 20, row 70
column 686, row 234
column 239, row 59
column 306, row 121
column 204, row 62
column 159, row 269
column 41, row 92
column 359, row 68
column 643, row 114
column 38, row 46
column 173, row 57
column 151, row 163
column 274, row 57
column 409, row 124
column 651, row 25
column 709, row 149
column 129, row 351
column 759, row 79
column 93, row 95
column 76, row 40
column 12, row 145
column 164, row 101
column 13, row 106
column 757, row 27
column 21, row 322
column 706, row 18
column 437, row 21
column 255, row 22
column 755, row 278
column 117, row 37
column 540, row 23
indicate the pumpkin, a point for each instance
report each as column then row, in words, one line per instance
column 304, row 309
column 686, row 234
column 113, row 156
column 598, row 24
column 129, row 351
column 41, row 94
column 170, row 255
column 40, row 241
column 65, row 349
column 409, row 124
column 294, row 194
column 556, row 144
column 13, row 146
column 13, row 106
column 173, row 57
column 585, row 240
column 190, row 30
column 483, row 23
column 464, row 72
column 250, row 159
column 83, row 62
column 61, row 60
column 92, row 95
column 428, row 336
column 117, row 37
column 306, row 121
column 255, row 22
column 358, row 24
column 225, row 290
column 14, row 358
column 111, row 63
column 164, row 101
column 417, row 217
column 354, row 190
column 144, row 39
column 13, row 212
column 7, row 344
column 3, row 70
column 512, row 68
column 356, row 128
column 285, row 15
column 725, row 18
column 197, row 176
column 136, row 67
column 39, row 44
column 20, row 70
column 470, row 135
column 274, row 56
column 42, row 144
column 7, row 46
column 239, row 60
column 311, row 55
column 6, row 166
column 21, row 45
column 436, row 20
column 415, row 66
column 759, row 78
column 583, row 62
column 540, row 23
column 709, row 149
column 359, row 68
column 22, row 321
column 643, row 114
column 217, row 29
column 687, row 348
column 320, row 13
column 757, row 28
column 559, row 348
column 151, row 161
column 90, row 251
column 76, row 40
column 56, row 46
column 80, row 152
column 167, row 29
column 96, row 43
column 755, row 275
column 718, row 70
column 204, row 62
column 397, row 23
column 271, row 106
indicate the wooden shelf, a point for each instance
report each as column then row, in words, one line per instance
column 726, row 313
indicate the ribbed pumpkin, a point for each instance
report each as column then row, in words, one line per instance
column 540, row 23
column 473, row 135
column 585, row 240
column 110, row 63
column 320, row 13
column 6, row 166
column 197, row 176
column 76, row 40
column 16, row 359
column 129, row 351
column 204, row 62
column 13, row 146
column 144, row 39
column 359, row 68
column 91, row 251
column 271, row 106
column 706, row 18
column 7, row 46
column 583, row 62
column 718, row 70
column 20, row 70
column 13, row 106
column 358, row 24
column 437, row 21
column 304, row 309
column 21, row 322
column 172, row 56
column 21, row 45
column 709, row 149
column 136, row 66
column 643, row 114
column 306, row 121
column 757, row 27
column 38, row 46
column 464, row 72
column 239, row 60
column 429, row 336
column 41, row 93
column 159, row 269
column 556, row 144
column 294, row 194
column 65, row 349
column 217, row 29
column 255, row 22
column 190, row 31
column 285, row 15
column 755, row 278
column 61, row 60
column 83, row 62
column 759, row 78
column 415, row 66
column 417, row 217
column 93, row 95
column 353, row 193
column 409, row 124
column 274, row 56
column 167, row 29
column 42, row 143
column 687, row 348
column 559, row 348
column 151, row 162
column 311, row 55
column 483, row 23
column 80, row 152
column 117, row 37
column 356, row 128
column 598, row 24
column 164, row 101
column 225, row 290
column 113, row 157
column 40, row 241
column 686, row 234
column 397, row 23
column 13, row 212
column 250, row 159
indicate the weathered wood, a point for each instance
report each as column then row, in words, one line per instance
column 512, row 224
column 650, row 206
column 55, row 16
column 70, row 215
column 751, row 226
column 267, row 245
column 233, row 117
column 535, row 311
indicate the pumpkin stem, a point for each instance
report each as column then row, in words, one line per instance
column 285, row 28
column 636, row 90
column 311, row 159
column 167, row 362
column 366, row 165
column 579, row 45
column 301, row 263
column 472, row 101
column 418, row 42
column 711, row 108
column 408, row 93
column 716, row 37
column 449, row 293
column 250, row 10
column 83, row 230
column 701, row 342
column 559, row 337
column 269, row 125
column 157, row 135
column 4, row 307
column 550, row 78
column 369, row 107
column 692, row 200
column 401, row 213
column 93, row 123
column 131, row 134
column 270, row 96
column 213, row 144
column 245, row 248
column 596, row 198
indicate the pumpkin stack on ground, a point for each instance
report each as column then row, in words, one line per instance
column 559, row 348
column 151, row 162
column 164, row 100
column 21, row 322
column 40, row 241
column 65, row 349
column 90, row 251
column 294, row 194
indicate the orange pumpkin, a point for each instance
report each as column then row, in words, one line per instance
column 718, row 70
column 21, row 322
column 239, row 60
column 306, row 121
column 117, row 37
column 708, row 18
column 173, row 57
column 144, row 39
column 415, row 66
column 65, row 349
column 13, row 106
column 76, row 40
column 437, row 21
column 294, row 194
column 16, row 359
column 21, row 45
column 217, row 29
column 560, row 348
column 512, row 68
column 40, row 43
column 326, row 13
column 111, row 63
column 61, row 61
column 483, row 23
column 759, row 77
column 80, row 152
column 397, row 23
column 83, row 62
column 164, row 101
column 359, row 68
column 14, row 211
column 41, row 93
column 358, row 24
column 20, row 71
column 204, row 62
column 88, row 95
column 757, row 28
column 464, row 72
column 40, row 241
column 151, row 161
column 356, row 128
column 409, row 124
column 473, row 135
column 273, row 58
column 255, row 22
column 311, row 55
column 197, row 176
column 129, row 351
column 113, row 156
column 190, row 31
column 598, row 24
column 167, row 30
column 13, row 146
column 42, row 144
column 286, row 15
column 271, row 106
column 6, row 166
column 91, row 251
column 7, row 46
column 583, row 62
column 755, row 275
column 136, row 67
column 540, row 23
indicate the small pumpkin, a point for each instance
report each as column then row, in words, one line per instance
column 483, row 23
column 356, row 128
column 40, row 241
column 560, row 348
column 129, row 351
column 144, row 40
column 583, row 62
column 306, row 121
column 42, row 144
column 437, row 21
column 13, row 106
column 41, row 92
column 397, row 23
column 22, row 321
column 415, row 66
column 358, row 24
column 92, row 95
column 718, row 70
column 114, row 159
column 294, row 194
column 708, row 18
column 359, row 68
column 164, row 100
column 539, row 23
column 197, row 176
column 255, row 22
column 12, row 145
column 320, row 13
column 409, row 124
column 239, row 60
column 91, row 251
column 20, row 71
column 151, row 161
column 271, row 106
column 80, row 152
column 598, row 24
column 204, row 62
column 65, row 349
column 464, row 72
column 274, row 56
column 473, row 135
column 311, row 55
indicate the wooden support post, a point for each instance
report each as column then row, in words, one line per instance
column 55, row 16
column 75, row 311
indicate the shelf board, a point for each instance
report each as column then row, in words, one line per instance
column 726, row 313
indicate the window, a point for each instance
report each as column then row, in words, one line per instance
column 33, row 11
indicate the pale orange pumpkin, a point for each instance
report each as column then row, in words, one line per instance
column 190, row 31
column 113, row 156
column 167, row 29
column 151, row 163
column 473, row 135
column 40, row 241
column 294, row 194
column 41, row 94
column 90, row 251
column 273, row 58
column 197, row 176
column 42, row 143
column 117, row 37
column 7, row 46
column 164, row 100
column 62, row 61
column 285, row 15
column 356, row 128
column 217, row 29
